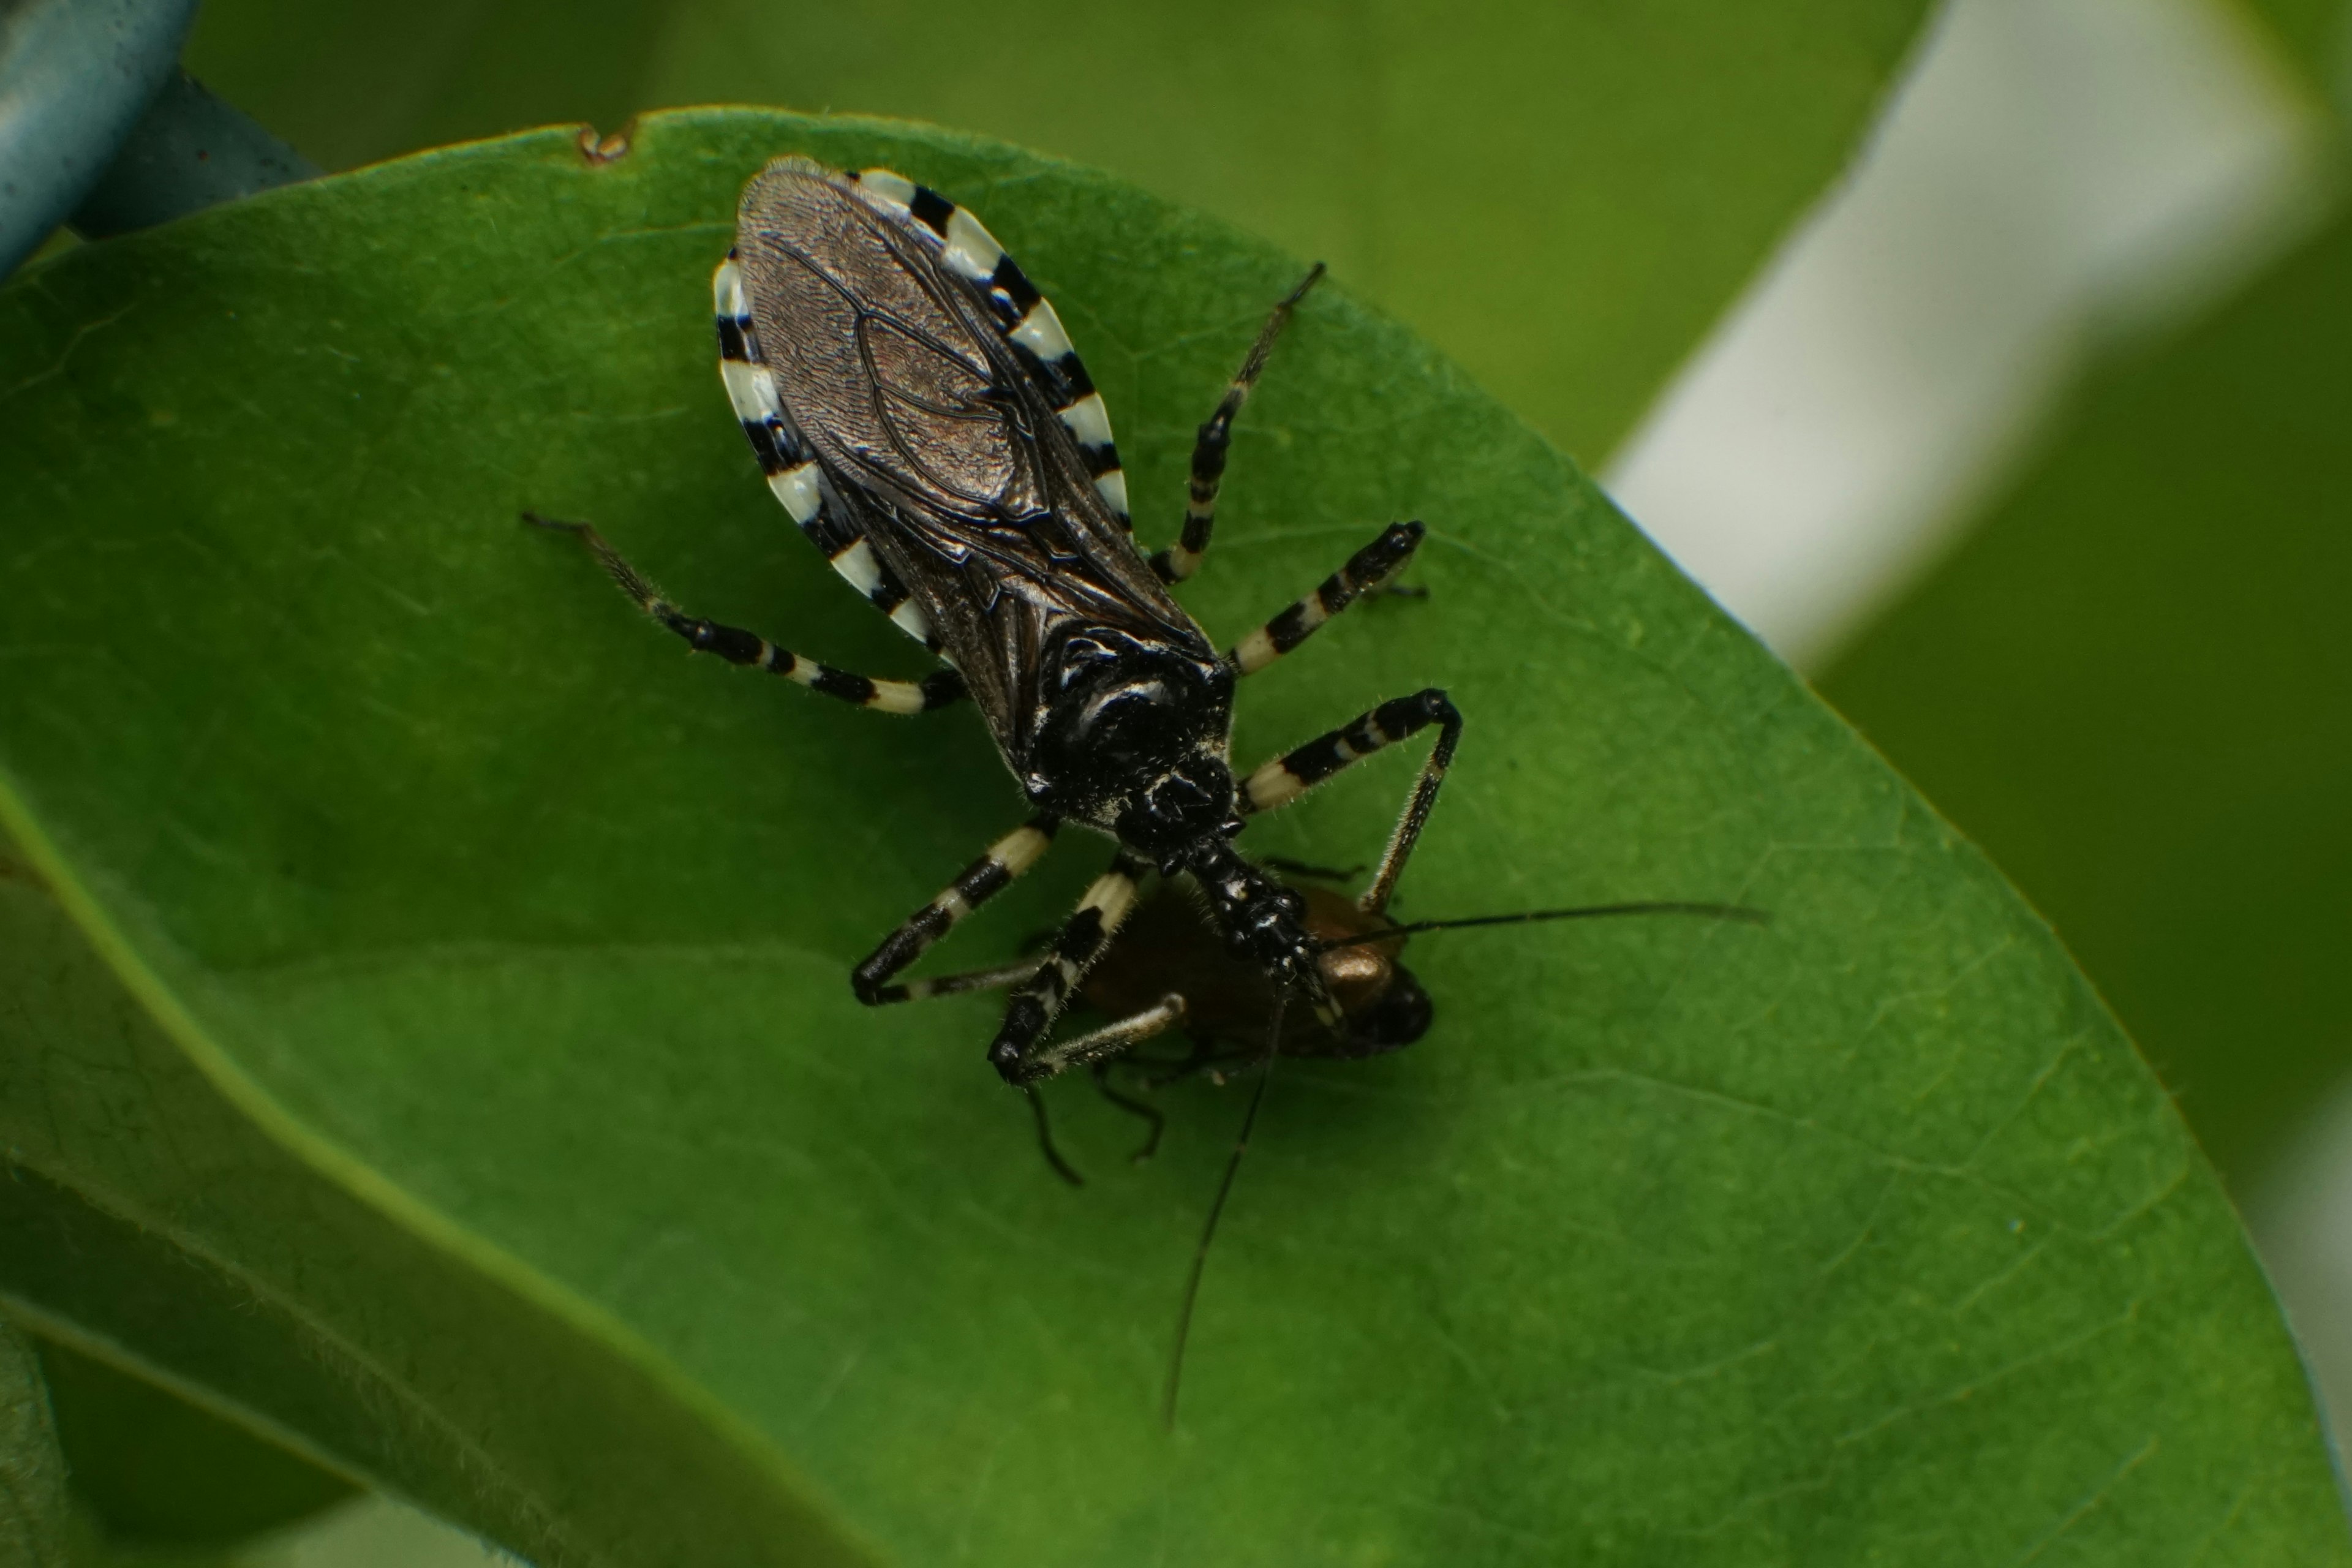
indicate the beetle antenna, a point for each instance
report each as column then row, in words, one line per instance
column 1216, row 1210
column 1530, row 916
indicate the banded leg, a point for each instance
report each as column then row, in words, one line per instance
column 1292, row 775
column 1099, row 1048
column 977, row 883
column 1366, row 570
column 754, row 651
column 997, row 977
column 1183, row 559
column 1077, row 945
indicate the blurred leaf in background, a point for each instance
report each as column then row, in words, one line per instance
column 2313, row 35
column 157, row 1471
column 1562, row 196
column 437, row 1040
column 2130, row 682
column 33, row 1524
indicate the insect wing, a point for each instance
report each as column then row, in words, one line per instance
column 879, row 364
column 942, row 438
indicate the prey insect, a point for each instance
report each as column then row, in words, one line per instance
column 919, row 409
column 1165, row 964
column 1170, row 968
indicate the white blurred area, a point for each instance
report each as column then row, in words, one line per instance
column 368, row 1532
column 2301, row 1216
column 2053, row 172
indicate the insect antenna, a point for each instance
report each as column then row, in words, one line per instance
column 1530, row 916
column 1216, row 1210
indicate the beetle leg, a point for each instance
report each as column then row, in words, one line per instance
column 1133, row 1107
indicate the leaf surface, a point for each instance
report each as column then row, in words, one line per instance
column 33, row 1527
column 431, row 1032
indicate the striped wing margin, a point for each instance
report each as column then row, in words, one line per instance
column 1027, row 317
column 793, row 471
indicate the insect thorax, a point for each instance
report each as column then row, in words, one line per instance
column 1132, row 738
column 1262, row 918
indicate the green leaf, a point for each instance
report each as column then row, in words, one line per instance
column 152, row 1206
column 155, row 1468
column 1563, row 198
column 33, row 1514
column 2129, row 686
column 432, row 1031
column 2316, row 37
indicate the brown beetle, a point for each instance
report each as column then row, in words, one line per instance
column 1169, row 970
column 1168, row 947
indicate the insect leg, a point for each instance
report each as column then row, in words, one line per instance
column 1292, row 775
column 1061, row 1167
column 980, row 881
column 1183, row 559
column 739, row 646
column 1366, row 570
column 995, row 978
column 1077, row 944
column 1133, row 1107
column 1099, row 1046
column 1289, row 867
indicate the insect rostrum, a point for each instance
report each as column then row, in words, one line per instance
column 919, row 409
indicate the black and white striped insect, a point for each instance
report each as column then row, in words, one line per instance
column 919, row 409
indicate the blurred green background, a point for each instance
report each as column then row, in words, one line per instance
column 2032, row 445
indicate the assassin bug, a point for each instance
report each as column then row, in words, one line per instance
column 919, row 409
column 1164, row 968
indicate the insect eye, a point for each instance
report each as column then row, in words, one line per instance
column 1401, row 1015
column 1354, row 971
